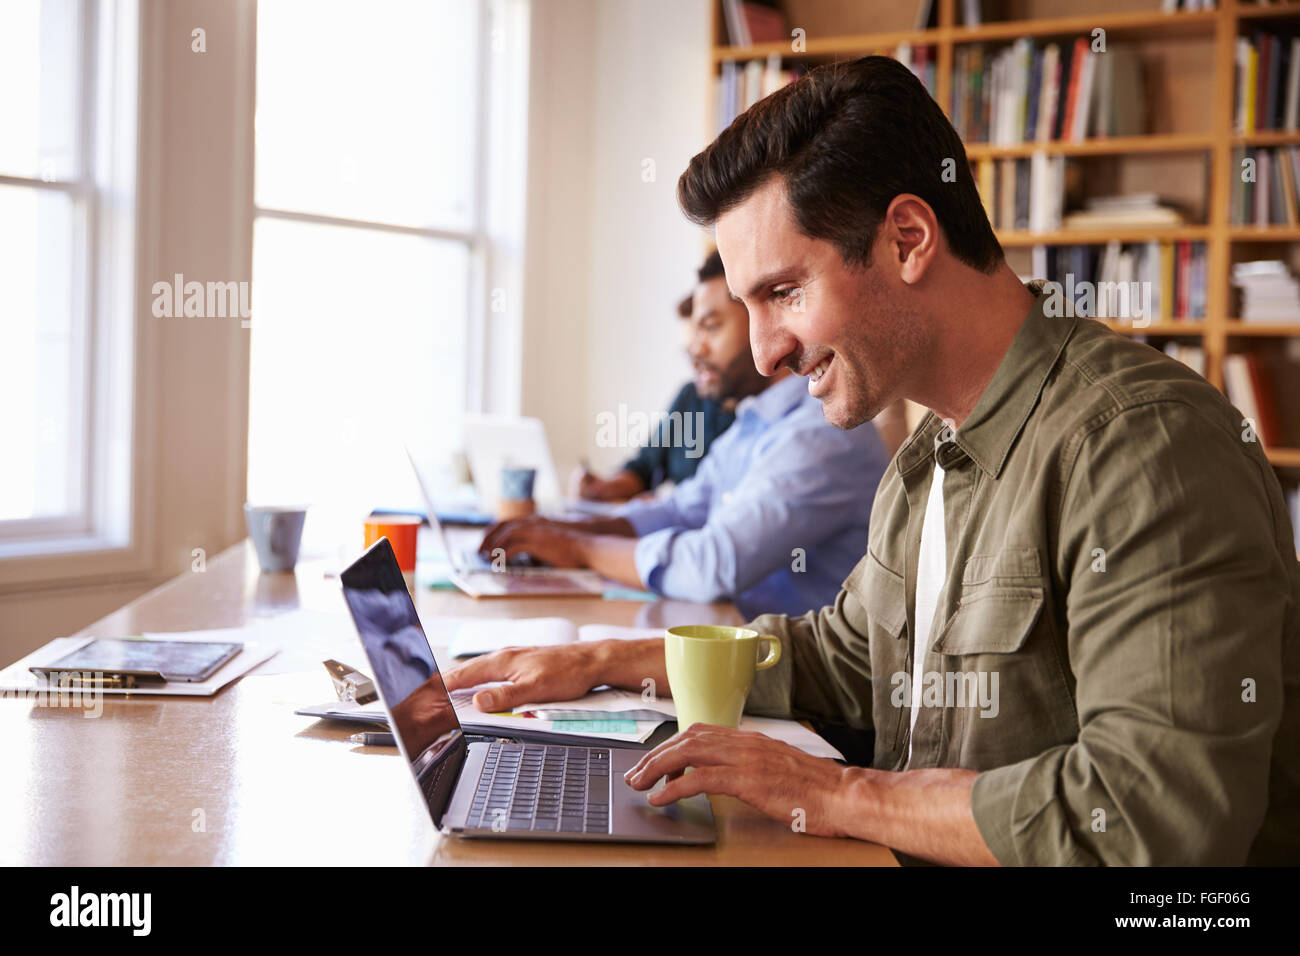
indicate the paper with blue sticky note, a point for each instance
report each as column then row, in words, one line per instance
column 611, row 703
column 604, row 726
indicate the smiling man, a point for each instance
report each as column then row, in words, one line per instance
column 1075, row 629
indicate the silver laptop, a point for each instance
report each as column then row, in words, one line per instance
column 496, row 789
column 474, row 575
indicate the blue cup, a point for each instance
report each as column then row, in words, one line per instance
column 517, row 483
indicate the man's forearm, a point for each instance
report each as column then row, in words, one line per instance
column 924, row 813
column 619, row 527
column 628, row 664
column 612, row 556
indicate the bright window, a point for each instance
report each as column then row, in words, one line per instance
column 68, row 72
column 372, row 249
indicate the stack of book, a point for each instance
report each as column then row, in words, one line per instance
column 1039, row 94
column 1269, row 292
column 1267, row 82
column 1265, row 186
column 1249, row 385
column 1141, row 282
column 1131, row 211
column 741, row 85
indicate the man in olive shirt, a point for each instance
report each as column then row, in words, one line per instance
column 1085, row 536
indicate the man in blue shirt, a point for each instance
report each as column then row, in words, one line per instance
column 776, row 515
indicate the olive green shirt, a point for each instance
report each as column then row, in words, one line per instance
column 1116, row 646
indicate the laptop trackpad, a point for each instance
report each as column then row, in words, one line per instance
column 686, row 821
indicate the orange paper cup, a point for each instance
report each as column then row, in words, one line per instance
column 401, row 532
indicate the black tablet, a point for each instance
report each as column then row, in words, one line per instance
column 188, row 661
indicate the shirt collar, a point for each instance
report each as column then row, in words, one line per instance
column 1004, row 406
column 775, row 401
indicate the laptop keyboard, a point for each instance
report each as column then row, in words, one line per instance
column 538, row 788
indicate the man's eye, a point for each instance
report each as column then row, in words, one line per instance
column 781, row 295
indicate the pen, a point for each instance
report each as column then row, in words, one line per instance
column 373, row 739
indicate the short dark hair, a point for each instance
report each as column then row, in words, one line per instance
column 712, row 268
column 846, row 138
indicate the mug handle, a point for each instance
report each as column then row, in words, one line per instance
column 773, row 652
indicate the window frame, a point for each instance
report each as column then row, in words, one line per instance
column 109, row 537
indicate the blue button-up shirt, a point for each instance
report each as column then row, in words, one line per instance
column 776, row 516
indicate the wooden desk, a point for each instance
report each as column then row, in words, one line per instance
column 239, row 779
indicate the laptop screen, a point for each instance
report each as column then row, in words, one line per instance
column 419, row 708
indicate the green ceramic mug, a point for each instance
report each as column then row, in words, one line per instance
column 710, row 669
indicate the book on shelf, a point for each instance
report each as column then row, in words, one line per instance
column 920, row 59
column 1040, row 180
column 1265, row 187
column 1056, row 92
column 1266, row 82
column 1269, row 292
column 740, row 85
column 1249, row 387
column 927, row 14
column 1139, row 282
column 749, row 22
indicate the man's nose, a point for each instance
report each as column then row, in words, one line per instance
column 769, row 343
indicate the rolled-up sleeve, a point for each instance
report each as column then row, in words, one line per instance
column 796, row 492
column 1175, row 627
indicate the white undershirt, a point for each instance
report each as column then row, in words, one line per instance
column 931, row 570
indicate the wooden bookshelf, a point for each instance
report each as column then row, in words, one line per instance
column 1100, row 146
column 1193, row 55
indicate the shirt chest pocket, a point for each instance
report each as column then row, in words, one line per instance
column 1010, row 696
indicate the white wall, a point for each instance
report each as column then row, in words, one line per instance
column 610, row 255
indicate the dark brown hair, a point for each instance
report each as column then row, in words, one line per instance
column 846, row 138
column 712, row 268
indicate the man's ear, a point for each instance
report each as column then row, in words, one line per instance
column 911, row 235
